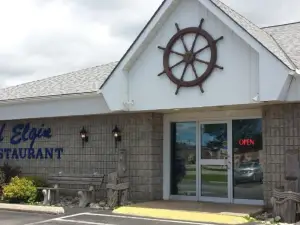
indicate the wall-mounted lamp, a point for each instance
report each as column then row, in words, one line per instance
column 83, row 135
column 117, row 134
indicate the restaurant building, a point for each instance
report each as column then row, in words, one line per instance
column 206, row 102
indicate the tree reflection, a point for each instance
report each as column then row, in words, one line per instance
column 183, row 158
column 214, row 140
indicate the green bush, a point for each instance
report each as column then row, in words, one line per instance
column 2, row 177
column 20, row 190
column 38, row 182
column 2, row 181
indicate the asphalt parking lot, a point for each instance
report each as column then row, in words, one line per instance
column 85, row 218
column 19, row 218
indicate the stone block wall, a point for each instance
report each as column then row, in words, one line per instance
column 142, row 137
column 281, row 132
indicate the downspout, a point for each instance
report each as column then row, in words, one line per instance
column 293, row 74
column 128, row 102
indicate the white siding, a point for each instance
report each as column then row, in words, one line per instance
column 249, row 69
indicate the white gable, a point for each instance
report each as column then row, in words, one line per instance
column 247, row 71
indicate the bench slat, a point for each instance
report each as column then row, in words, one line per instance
column 76, row 178
column 76, row 175
column 71, row 189
column 75, row 182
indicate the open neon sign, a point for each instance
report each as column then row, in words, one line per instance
column 246, row 142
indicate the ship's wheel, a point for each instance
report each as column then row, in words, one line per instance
column 190, row 56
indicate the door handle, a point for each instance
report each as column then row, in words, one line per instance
column 228, row 164
column 227, row 161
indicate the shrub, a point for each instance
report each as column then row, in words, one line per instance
column 2, row 177
column 20, row 190
column 10, row 172
column 2, row 181
column 38, row 182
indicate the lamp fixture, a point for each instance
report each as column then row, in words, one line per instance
column 83, row 135
column 117, row 135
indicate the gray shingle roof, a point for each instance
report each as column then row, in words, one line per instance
column 257, row 33
column 90, row 79
column 82, row 81
column 288, row 37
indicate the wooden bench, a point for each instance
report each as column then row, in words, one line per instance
column 60, row 181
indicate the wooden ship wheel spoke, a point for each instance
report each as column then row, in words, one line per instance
column 190, row 56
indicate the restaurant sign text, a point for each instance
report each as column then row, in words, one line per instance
column 24, row 133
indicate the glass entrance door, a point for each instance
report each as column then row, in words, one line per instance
column 215, row 160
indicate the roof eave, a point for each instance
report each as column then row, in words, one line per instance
column 49, row 98
column 295, row 72
column 259, row 42
column 133, row 43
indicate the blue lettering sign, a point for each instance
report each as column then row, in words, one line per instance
column 22, row 153
column 14, row 154
column 1, row 132
column 49, row 152
column 24, row 132
column 58, row 151
column 7, row 151
column 39, row 154
column 30, row 153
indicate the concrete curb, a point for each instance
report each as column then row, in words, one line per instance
column 32, row 208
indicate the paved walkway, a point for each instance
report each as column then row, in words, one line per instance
column 191, row 211
column 148, row 213
column 86, row 218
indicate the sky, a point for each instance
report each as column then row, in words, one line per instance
column 42, row 38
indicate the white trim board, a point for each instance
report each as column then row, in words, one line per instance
column 59, row 107
column 211, row 115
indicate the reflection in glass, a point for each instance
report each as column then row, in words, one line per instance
column 213, row 141
column 183, row 158
column 247, row 170
column 214, row 181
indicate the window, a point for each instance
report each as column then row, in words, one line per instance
column 183, row 158
column 247, row 148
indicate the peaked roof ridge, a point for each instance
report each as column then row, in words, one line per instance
column 279, row 25
column 57, row 76
column 288, row 37
column 246, row 19
column 231, row 9
column 284, row 52
column 260, row 35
